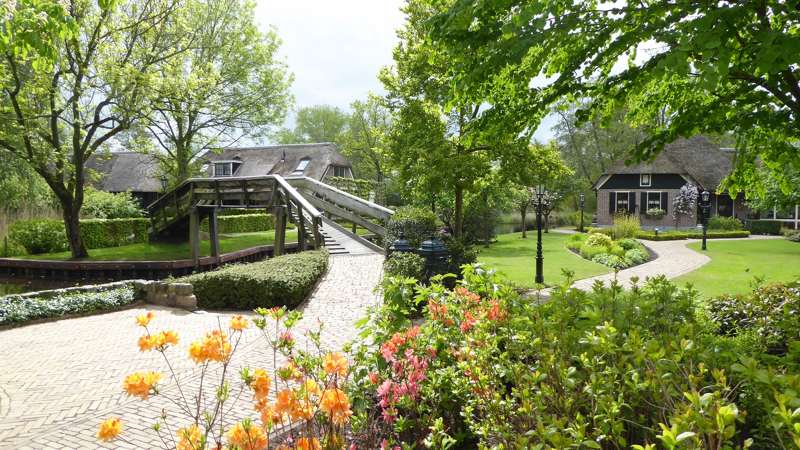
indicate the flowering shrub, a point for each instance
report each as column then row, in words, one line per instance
column 600, row 248
column 310, row 409
column 611, row 368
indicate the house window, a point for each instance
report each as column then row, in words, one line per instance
column 622, row 205
column 301, row 166
column 645, row 180
column 223, row 169
column 339, row 171
column 653, row 200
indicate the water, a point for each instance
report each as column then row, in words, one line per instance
column 20, row 285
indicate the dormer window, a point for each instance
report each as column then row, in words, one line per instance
column 645, row 180
column 340, row 171
column 225, row 168
column 301, row 166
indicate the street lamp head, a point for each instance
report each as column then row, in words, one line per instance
column 540, row 189
column 705, row 196
column 164, row 182
column 582, row 199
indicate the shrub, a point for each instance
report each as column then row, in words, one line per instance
column 283, row 281
column 794, row 236
column 459, row 252
column 765, row 226
column 242, row 223
column 39, row 235
column 610, row 260
column 599, row 240
column 415, row 223
column 637, row 256
column 575, row 241
column 590, row 251
column 404, row 264
column 673, row 235
column 655, row 213
column 11, row 248
column 16, row 309
column 49, row 236
column 617, row 250
column 625, row 226
column 106, row 205
column 725, row 223
column 628, row 243
column 606, row 231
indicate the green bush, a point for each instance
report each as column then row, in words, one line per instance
column 673, row 235
column 765, row 226
column 283, row 281
column 242, row 223
column 637, row 256
column 599, row 240
column 12, row 248
column 628, row 243
column 15, row 309
column 105, row 205
column 590, row 251
column 575, row 241
column 625, row 226
column 39, row 235
column 610, row 260
column 404, row 264
column 606, row 231
column 725, row 223
column 617, row 250
column 415, row 223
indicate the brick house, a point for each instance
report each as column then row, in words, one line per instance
column 637, row 188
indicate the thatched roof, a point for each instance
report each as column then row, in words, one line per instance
column 281, row 159
column 696, row 158
column 126, row 171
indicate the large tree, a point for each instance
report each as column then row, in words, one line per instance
column 701, row 66
column 318, row 123
column 365, row 140
column 68, row 91
column 229, row 85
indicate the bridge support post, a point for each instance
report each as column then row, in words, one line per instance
column 280, row 230
column 301, row 230
column 194, row 235
column 213, row 232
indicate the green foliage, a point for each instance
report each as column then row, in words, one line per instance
column 405, row 264
column 725, row 223
column 628, row 243
column 674, row 235
column 318, row 123
column 625, row 226
column 489, row 368
column 48, row 236
column 656, row 213
column 12, row 248
column 283, row 281
column 244, row 223
column 106, row 205
column 793, row 236
column 365, row 140
column 415, row 223
column 16, row 310
column 764, row 226
column 606, row 231
column 610, row 260
column 599, row 240
column 600, row 248
column 589, row 251
column 459, row 252
column 637, row 255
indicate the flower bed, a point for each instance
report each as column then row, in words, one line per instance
column 18, row 309
column 600, row 248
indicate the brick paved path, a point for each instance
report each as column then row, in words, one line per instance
column 58, row 380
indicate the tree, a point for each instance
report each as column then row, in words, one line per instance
column 319, row 123
column 75, row 74
column 685, row 203
column 684, row 67
column 364, row 141
column 230, row 84
column 523, row 197
column 768, row 193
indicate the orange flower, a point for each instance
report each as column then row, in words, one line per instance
column 269, row 416
column 260, row 383
column 109, row 429
column 302, row 410
column 144, row 319
column 145, row 343
column 190, row 438
column 139, row 384
column 285, row 401
column 311, row 388
column 239, row 323
column 336, row 405
column 335, row 364
column 246, row 436
column 213, row 347
column 308, row 444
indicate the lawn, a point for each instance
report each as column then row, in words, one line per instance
column 160, row 251
column 735, row 264
column 515, row 258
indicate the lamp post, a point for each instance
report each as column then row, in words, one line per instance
column 164, row 183
column 705, row 209
column 539, row 205
column 582, row 201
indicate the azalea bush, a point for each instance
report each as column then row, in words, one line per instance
column 610, row 368
column 308, row 408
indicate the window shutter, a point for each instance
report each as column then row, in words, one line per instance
column 632, row 202
column 643, row 202
column 612, row 202
column 664, row 198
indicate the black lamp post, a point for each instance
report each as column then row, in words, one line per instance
column 539, row 205
column 435, row 254
column 582, row 201
column 705, row 209
column 164, row 183
column 401, row 245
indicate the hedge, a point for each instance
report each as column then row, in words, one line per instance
column 283, row 281
column 242, row 223
column 49, row 235
column 765, row 226
column 679, row 235
column 16, row 309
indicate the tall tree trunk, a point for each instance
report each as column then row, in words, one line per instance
column 523, row 212
column 182, row 162
column 73, row 227
column 458, row 226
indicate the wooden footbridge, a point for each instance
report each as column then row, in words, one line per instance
column 303, row 201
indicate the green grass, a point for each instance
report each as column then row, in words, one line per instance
column 515, row 258
column 735, row 264
column 161, row 251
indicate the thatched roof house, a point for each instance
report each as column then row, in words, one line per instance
column 317, row 161
column 133, row 172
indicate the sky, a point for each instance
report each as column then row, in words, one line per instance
column 336, row 48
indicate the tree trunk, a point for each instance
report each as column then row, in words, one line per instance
column 182, row 169
column 73, row 228
column 523, row 212
column 547, row 223
column 458, row 226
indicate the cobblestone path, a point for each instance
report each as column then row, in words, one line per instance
column 59, row 379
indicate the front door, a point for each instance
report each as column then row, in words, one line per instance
column 724, row 205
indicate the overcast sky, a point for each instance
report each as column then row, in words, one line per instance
column 336, row 48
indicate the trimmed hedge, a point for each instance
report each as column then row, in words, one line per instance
column 49, row 235
column 15, row 309
column 242, row 223
column 407, row 265
column 765, row 226
column 283, row 281
column 680, row 235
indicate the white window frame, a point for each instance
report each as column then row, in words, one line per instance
column 301, row 166
column 225, row 163
column 648, row 200
column 343, row 169
column 627, row 201
column 649, row 180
